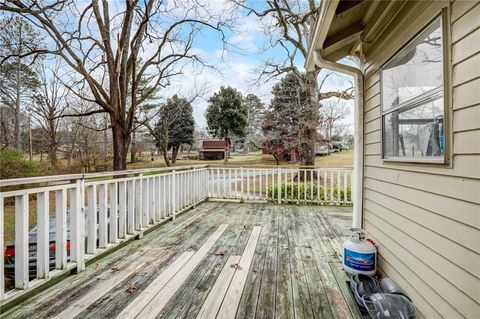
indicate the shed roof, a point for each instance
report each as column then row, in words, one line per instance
column 213, row 144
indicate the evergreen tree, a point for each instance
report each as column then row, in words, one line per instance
column 175, row 126
column 282, row 124
column 226, row 115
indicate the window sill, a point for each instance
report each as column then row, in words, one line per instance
column 435, row 160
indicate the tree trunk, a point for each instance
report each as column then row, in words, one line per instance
column 120, row 147
column 277, row 158
column 165, row 156
column 174, row 154
column 227, row 151
column 133, row 149
column 311, row 120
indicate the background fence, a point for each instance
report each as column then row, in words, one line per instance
column 282, row 185
column 55, row 223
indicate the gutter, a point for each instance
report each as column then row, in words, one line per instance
column 357, row 178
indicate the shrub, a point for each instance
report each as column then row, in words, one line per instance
column 12, row 165
column 296, row 190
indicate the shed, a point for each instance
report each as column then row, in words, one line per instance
column 214, row 149
column 417, row 133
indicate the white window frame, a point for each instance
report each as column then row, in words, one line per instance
column 425, row 98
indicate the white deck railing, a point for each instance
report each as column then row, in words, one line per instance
column 92, row 213
column 282, row 185
column 95, row 212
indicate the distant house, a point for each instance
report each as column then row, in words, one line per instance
column 213, row 149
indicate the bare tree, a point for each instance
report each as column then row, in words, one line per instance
column 331, row 112
column 122, row 53
column 18, row 80
column 291, row 25
column 50, row 105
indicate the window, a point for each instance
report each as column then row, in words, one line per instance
column 412, row 95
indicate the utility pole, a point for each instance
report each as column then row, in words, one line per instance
column 30, row 146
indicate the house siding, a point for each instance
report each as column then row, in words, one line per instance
column 426, row 218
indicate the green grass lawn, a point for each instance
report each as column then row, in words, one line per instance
column 343, row 159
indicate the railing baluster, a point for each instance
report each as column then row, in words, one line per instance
column 146, row 203
column 304, row 174
column 285, row 181
column 43, row 240
column 224, row 192
column 139, row 203
column 122, row 209
column 298, row 186
column 345, row 186
column 158, row 201
column 77, row 226
column 165, row 196
column 248, row 184
column 331, row 187
column 131, row 207
column 92, row 219
column 279, row 188
column 241, row 183
column 325, row 191
column 260, row 182
column 173, row 195
column 151, row 197
column 338, row 186
column 317, row 172
column 113, row 219
column 229, row 183
column 266, row 184
column 254, row 184
column 292, row 178
column 311, row 186
column 102, row 216
column 21, row 242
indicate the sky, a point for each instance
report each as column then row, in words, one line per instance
column 238, row 67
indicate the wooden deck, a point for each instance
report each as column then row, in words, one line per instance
column 219, row 260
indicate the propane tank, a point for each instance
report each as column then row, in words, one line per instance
column 359, row 255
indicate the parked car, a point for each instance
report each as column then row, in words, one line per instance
column 9, row 254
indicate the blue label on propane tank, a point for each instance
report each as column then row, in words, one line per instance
column 359, row 261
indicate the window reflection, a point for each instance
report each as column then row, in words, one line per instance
column 412, row 98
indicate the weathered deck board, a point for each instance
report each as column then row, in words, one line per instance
column 294, row 268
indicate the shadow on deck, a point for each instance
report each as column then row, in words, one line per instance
column 219, row 260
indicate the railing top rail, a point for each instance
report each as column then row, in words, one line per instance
column 68, row 177
column 282, row 167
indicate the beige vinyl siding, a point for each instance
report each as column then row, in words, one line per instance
column 426, row 218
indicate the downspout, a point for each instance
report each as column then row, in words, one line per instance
column 357, row 180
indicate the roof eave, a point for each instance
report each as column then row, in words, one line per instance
column 325, row 18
